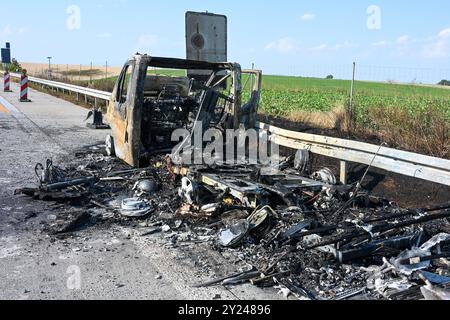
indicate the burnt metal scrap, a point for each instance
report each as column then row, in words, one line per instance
column 304, row 235
column 145, row 109
column 54, row 184
column 300, row 233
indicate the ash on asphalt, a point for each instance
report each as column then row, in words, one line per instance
column 349, row 244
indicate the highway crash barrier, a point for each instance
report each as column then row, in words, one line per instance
column 347, row 151
column 24, row 88
column 7, row 82
column 401, row 162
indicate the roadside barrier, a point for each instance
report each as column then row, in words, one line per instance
column 7, row 82
column 24, row 88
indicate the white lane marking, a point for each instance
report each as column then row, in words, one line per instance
column 10, row 107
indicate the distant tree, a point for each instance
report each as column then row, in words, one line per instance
column 330, row 77
column 444, row 83
column 15, row 66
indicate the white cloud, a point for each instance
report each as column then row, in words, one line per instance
column 147, row 41
column 283, row 45
column 436, row 50
column 440, row 48
column 321, row 47
column 381, row 43
column 6, row 31
column 345, row 45
column 445, row 33
column 308, row 17
column 403, row 40
column 22, row 30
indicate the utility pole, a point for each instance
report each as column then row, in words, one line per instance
column 49, row 67
column 253, row 68
column 90, row 75
column 106, row 73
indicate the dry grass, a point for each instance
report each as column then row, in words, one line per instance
column 71, row 70
column 426, row 132
column 334, row 119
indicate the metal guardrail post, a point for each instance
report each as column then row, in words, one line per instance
column 344, row 172
column 397, row 161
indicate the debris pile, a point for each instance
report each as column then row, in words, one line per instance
column 304, row 235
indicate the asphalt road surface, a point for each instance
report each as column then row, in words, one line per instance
column 108, row 263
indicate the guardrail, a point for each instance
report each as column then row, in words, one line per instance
column 402, row 162
column 87, row 92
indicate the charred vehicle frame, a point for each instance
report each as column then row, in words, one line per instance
column 145, row 109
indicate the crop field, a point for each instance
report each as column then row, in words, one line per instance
column 407, row 116
column 284, row 96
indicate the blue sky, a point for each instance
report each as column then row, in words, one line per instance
column 283, row 37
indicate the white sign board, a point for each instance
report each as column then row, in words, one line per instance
column 206, row 38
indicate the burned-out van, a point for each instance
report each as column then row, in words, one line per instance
column 147, row 105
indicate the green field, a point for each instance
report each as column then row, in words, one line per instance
column 409, row 117
column 284, row 95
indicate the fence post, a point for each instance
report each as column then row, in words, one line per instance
column 350, row 110
column 344, row 172
column 251, row 77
